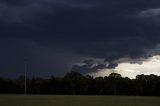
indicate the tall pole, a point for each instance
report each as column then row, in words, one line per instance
column 25, row 81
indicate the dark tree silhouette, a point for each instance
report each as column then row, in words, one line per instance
column 74, row 83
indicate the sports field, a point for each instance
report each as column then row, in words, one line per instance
column 45, row 100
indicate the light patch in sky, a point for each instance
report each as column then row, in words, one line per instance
column 153, row 12
column 150, row 66
column 151, row 15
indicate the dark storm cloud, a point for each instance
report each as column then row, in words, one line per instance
column 41, row 60
column 105, row 29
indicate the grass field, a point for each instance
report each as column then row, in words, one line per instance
column 44, row 100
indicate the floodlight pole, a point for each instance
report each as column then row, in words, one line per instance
column 25, row 81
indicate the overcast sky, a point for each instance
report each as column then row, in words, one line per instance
column 89, row 36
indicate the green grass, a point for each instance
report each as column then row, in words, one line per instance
column 45, row 100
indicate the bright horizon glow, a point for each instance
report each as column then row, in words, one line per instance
column 150, row 66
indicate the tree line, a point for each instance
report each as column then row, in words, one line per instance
column 74, row 83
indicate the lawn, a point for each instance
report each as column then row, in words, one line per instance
column 46, row 100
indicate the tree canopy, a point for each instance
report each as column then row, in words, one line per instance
column 74, row 83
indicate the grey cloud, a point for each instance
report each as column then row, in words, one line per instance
column 153, row 12
column 151, row 15
column 93, row 66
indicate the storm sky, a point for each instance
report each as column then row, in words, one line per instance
column 89, row 36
